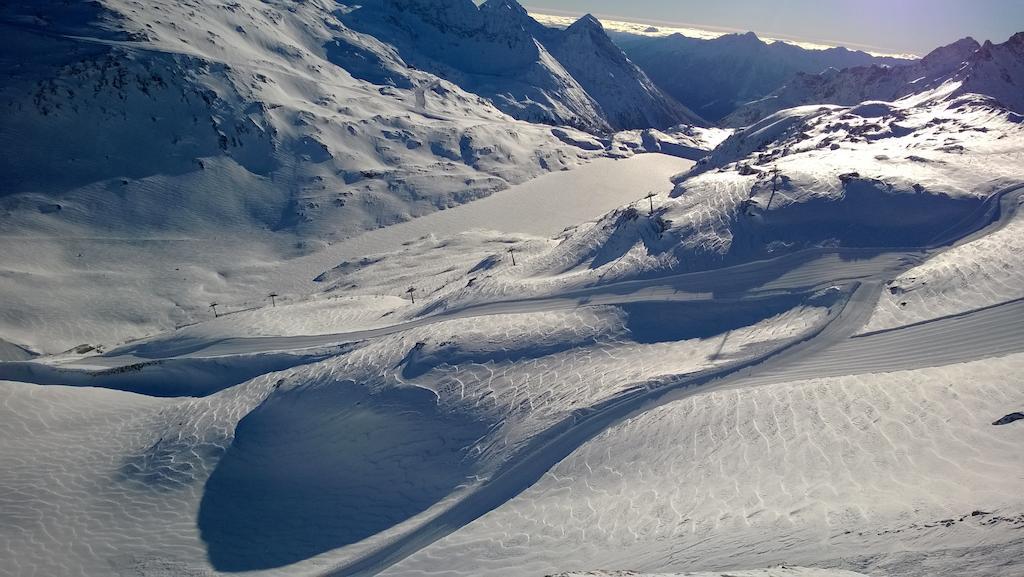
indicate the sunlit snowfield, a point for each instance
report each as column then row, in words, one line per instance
column 454, row 336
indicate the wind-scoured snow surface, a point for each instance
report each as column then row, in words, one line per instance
column 788, row 350
column 841, row 472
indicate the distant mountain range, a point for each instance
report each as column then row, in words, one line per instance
column 714, row 77
column 964, row 67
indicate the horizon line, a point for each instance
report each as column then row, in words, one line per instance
column 705, row 31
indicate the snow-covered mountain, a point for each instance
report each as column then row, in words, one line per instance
column 626, row 95
column 274, row 127
column 169, row 98
column 713, row 77
column 994, row 70
column 269, row 89
column 142, row 130
column 576, row 76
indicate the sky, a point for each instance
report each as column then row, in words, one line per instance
column 894, row 26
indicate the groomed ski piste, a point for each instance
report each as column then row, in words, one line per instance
column 801, row 356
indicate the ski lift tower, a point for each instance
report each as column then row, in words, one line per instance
column 650, row 198
column 776, row 174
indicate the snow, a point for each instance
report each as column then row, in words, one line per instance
column 489, row 386
column 735, row 69
column 113, row 293
column 980, row 273
column 613, row 80
column 847, row 178
column 547, row 205
column 654, row 28
column 878, row 473
column 264, row 98
column 575, row 77
column 780, row 571
column 511, row 384
column 965, row 66
column 788, row 349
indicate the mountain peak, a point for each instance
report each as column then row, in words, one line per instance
column 587, row 22
column 966, row 43
column 956, row 52
column 743, row 39
column 508, row 6
column 590, row 28
column 623, row 91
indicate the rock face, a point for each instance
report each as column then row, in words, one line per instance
column 576, row 77
column 1012, row 417
column 713, row 77
column 963, row 67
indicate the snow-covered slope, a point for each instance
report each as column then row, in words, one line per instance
column 218, row 138
column 997, row 70
column 857, row 84
column 780, row 571
column 713, row 77
column 212, row 95
column 488, row 51
column 863, row 178
column 899, row 473
column 500, row 371
column 55, row 299
column 981, row 273
column 993, row 70
column 712, row 376
column 279, row 472
column 575, row 76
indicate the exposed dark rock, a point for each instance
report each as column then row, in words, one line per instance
column 1010, row 418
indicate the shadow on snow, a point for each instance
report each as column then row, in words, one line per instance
column 317, row 468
